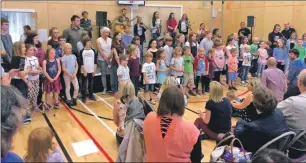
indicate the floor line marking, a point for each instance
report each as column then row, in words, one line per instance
column 95, row 115
column 88, row 133
column 103, row 99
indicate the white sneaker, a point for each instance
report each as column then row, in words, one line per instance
column 246, row 81
column 242, row 82
column 104, row 92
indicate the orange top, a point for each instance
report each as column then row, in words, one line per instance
column 177, row 144
column 232, row 64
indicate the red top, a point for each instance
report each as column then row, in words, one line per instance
column 195, row 63
column 172, row 24
column 177, row 144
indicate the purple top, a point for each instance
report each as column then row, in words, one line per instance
column 134, row 66
column 275, row 80
column 57, row 156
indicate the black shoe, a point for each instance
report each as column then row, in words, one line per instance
column 235, row 88
column 230, row 88
column 74, row 102
column 69, row 102
column 92, row 98
column 191, row 93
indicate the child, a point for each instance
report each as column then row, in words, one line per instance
column 192, row 43
column 188, row 70
column 134, row 67
column 149, row 74
column 280, row 53
column 253, row 50
column 160, row 42
column 127, row 37
column 201, row 67
column 52, row 84
column 42, row 147
column 301, row 49
column 177, row 64
column 269, row 50
column 246, row 64
column 262, row 61
column 161, row 68
column 70, row 69
column 88, row 62
column 33, row 77
column 244, row 43
column 59, row 49
column 292, row 41
column 218, row 61
column 136, row 42
column 153, row 49
column 168, row 50
column 123, row 73
column 179, row 41
column 232, row 69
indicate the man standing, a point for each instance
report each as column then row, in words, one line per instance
column 86, row 23
column 287, row 30
column 121, row 21
column 274, row 79
column 295, row 68
column 72, row 34
column 243, row 31
column 7, row 44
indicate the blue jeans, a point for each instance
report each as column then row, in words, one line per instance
column 149, row 88
column 260, row 69
column 245, row 71
column 114, row 78
column 104, row 71
column 155, row 35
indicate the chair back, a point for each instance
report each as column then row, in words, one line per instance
column 280, row 143
column 297, row 147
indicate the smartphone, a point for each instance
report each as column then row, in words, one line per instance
column 21, row 63
column 178, row 81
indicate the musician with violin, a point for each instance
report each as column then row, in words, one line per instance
column 140, row 30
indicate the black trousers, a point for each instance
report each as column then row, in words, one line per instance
column 217, row 75
column 292, row 91
column 89, row 78
column 204, row 81
column 40, row 92
column 135, row 81
column 21, row 86
column 281, row 67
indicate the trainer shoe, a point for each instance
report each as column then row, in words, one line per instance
column 56, row 106
column 27, row 119
column 235, row 88
column 92, row 98
column 242, row 82
column 104, row 92
column 74, row 102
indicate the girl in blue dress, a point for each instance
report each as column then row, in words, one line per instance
column 161, row 68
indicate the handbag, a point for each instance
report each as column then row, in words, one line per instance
column 230, row 153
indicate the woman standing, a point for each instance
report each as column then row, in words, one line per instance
column 171, row 25
column 104, row 44
column 140, row 30
column 275, row 35
column 292, row 41
column 201, row 32
column 184, row 25
column 156, row 25
column 117, row 50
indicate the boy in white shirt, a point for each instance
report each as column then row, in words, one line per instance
column 149, row 75
column 246, row 64
column 123, row 73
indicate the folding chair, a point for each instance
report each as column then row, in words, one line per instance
column 297, row 147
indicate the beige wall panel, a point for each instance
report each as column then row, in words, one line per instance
column 278, row 3
column 298, row 3
column 276, row 15
column 232, row 4
column 258, row 30
column 104, row 3
column 247, row 4
column 68, row 2
column 198, row 16
column 185, row 4
column 299, row 20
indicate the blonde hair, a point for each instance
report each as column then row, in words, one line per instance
column 128, row 89
column 255, row 39
column 215, row 92
column 176, row 49
column 168, row 81
column 231, row 95
column 17, row 48
column 211, row 52
column 255, row 83
column 65, row 47
column 131, row 48
column 39, row 145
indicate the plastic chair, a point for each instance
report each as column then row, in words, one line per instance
column 298, row 147
column 280, row 143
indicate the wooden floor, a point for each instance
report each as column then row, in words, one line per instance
column 102, row 131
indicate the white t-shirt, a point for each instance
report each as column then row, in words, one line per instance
column 183, row 26
column 32, row 62
column 247, row 57
column 106, row 46
column 88, row 60
column 150, row 70
column 193, row 44
column 177, row 63
column 123, row 73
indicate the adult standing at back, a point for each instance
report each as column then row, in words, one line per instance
column 172, row 25
column 156, row 25
column 287, row 30
column 296, row 66
column 274, row 79
column 72, row 34
column 7, row 43
column 244, row 31
column 275, row 35
column 184, row 25
column 104, row 44
column 86, row 23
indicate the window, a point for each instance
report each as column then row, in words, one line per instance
column 18, row 19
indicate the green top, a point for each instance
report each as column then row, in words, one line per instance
column 253, row 50
column 188, row 63
column 302, row 52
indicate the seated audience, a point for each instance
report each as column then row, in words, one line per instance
column 270, row 155
column 42, row 147
column 11, row 118
column 294, row 108
column 121, row 114
column 246, row 109
column 167, row 136
column 274, row 79
column 269, row 124
column 217, row 118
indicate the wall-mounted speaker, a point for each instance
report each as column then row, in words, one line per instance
column 101, row 18
column 250, row 21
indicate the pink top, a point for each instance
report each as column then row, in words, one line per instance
column 177, row 144
column 232, row 64
column 263, row 55
column 218, row 58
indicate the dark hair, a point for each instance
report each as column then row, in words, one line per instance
column 154, row 18
column 28, row 46
column 215, row 31
column 264, row 100
column 171, row 102
column 61, row 37
column 123, row 9
column 217, row 43
column 30, row 39
column 276, row 25
column 190, row 38
column 233, row 50
column 73, row 17
column 295, row 52
column 3, row 20
column 169, row 18
column 135, row 39
column 47, row 53
column 84, row 12
column 230, row 39
column 186, row 48
column 270, row 155
column 115, row 36
column 159, row 52
column 150, row 42
column 202, row 24
column 27, row 27
column 243, row 38
column 85, row 39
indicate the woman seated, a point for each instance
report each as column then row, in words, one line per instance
column 168, row 137
column 168, row 82
column 269, row 124
column 217, row 118
column 127, row 108
column 245, row 109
